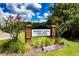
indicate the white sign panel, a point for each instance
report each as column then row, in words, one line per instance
column 41, row 32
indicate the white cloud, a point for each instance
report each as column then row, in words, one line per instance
column 46, row 15
column 25, row 13
column 1, row 11
column 42, row 20
column 37, row 6
column 23, row 7
column 1, row 14
column 35, row 21
column 37, row 13
column 40, row 16
column 14, row 7
column 5, row 15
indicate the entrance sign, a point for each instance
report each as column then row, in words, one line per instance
column 29, row 32
column 41, row 32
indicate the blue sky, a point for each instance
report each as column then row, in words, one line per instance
column 36, row 12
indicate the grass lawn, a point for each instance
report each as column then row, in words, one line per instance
column 3, row 41
column 71, row 48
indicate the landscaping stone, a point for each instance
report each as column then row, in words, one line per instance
column 45, row 49
column 48, row 48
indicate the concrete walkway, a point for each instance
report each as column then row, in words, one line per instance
column 4, row 36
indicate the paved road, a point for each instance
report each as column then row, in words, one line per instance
column 4, row 36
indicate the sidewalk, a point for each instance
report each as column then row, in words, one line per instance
column 4, row 36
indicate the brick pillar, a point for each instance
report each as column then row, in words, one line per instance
column 28, row 33
column 53, row 31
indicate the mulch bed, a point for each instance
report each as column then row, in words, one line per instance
column 36, row 51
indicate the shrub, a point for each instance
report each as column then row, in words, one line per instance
column 4, row 46
column 43, row 41
column 15, row 47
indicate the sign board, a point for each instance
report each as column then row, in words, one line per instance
column 41, row 32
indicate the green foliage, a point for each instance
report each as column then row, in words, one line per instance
column 12, row 25
column 42, row 41
column 21, row 36
column 70, row 49
column 3, row 43
column 30, row 23
column 11, row 46
column 14, row 47
column 50, row 22
column 40, row 25
column 65, row 16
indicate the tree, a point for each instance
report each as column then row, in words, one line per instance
column 65, row 16
column 12, row 25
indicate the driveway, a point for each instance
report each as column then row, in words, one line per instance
column 4, row 36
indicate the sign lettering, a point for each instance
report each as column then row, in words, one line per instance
column 41, row 32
